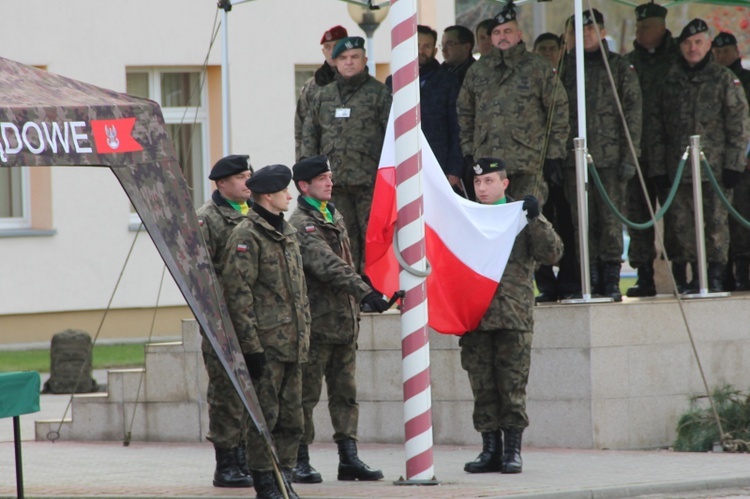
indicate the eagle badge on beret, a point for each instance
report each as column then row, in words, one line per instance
column 477, row 169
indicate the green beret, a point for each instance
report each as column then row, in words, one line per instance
column 270, row 179
column 348, row 43
column 483, row 166
column 309, row 168
column 693, row 28
column 230, row 165
column 651, row 9
column 724, row 39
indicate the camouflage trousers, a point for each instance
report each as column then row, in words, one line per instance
column 642, row 249
column 605, row 230
column 228, row 419
column 279, row 393
column 498, row 366
column 522, row 184
column 739, row 236
column 338, row 363
column 354, row 202
column 681, row 219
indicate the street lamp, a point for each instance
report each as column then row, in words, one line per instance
column 368, row 17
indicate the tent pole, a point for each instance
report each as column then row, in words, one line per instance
column 225, row 8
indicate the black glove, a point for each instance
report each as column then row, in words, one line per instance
column 626, row 171
column 468, row 177
column 553, row 172
column 531, row 205
column 468, row 162
column 661, row 182
column 255, row 363
column 730, row 178
column 374, row 302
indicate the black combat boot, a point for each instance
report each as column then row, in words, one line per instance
column 491, row 457
column 611, row 280
column 266, row 486
column 694, row 285
column 227, row 472
column 512, row 462
column 287, row 472
column 716, row 277
column 679, row 272
column 645, row 285
column 595, row 278
column 351, row 466
column 303, row 472
column 742, row 274
column 242, row 461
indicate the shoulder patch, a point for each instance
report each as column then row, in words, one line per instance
column 736, row 82
column 310, row 228
column 631, row 67
column 242, row 248
column 200, row 222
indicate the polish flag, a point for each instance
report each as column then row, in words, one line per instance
column 468, row 244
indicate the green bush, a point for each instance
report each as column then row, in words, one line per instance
column 697, row 430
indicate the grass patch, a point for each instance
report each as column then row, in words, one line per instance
column 697, row 430
column 104, row 357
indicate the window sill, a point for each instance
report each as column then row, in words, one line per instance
column 27, row 232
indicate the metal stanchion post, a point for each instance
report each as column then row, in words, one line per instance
column 700, row 237
column 579, row 147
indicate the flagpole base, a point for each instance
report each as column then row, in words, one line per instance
column 401, row 481
column 720, row 294
column 603, row 299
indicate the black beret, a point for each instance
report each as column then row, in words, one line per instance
column 597, row 18
column 724, row 39
column 483, row 166
column 646, row 10
column 270, row 179
column 348, row 43
column 230, row 165
column 506, row 15
column 693, row 28
column 309, row 168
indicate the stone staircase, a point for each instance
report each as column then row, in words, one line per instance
column 163, row 401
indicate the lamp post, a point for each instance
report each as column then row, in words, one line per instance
column 368, row 18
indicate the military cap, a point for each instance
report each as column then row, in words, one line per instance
column 724, row 39
column 348, row 43
column 506, row 15
column 693, row 28
column 597, row 17
column 230, row 165
column 651, row 9
column 335, row 33
column 483, row 166
column 270, row 179
column 309, row 168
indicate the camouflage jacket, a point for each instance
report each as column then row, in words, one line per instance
column 217, row 218
column 265, row 291
column 323, row 76
column 503, row 107
column 707, row 100
column 333, row 286
column 512, row 307
column 651, row 68
column 351, row 143
column 742, row 74
column 606, row 142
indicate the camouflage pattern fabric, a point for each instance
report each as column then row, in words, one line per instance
column 265, row 291
column 354, row 203
column 605, row 230
column 280, row 395
column 352, row 144
column 227, row 417
column 522, row 184
column 642, row 249
column 739, row 235
column 335, row 290
column 503, row 107
column 512, row 306
column 71, row 369
column 681, row 217
column 323, row 76
column 498, row 363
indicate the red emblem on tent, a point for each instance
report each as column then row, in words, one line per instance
column 114, row 136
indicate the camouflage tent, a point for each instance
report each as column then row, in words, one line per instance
column 50, row 120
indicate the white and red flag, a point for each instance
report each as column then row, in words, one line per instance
column 468, row 244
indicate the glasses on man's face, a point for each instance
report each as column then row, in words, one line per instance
column 449, row 45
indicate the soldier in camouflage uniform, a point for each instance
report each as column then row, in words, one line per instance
column 266, row 296
column 607, row 143
column 497, row 354
column 700, row 97
column 346, row 122
column 227, row 417
column 324, row 75
column 503, row 110
column 654, row 51
column 726, row 53
column 335, row 291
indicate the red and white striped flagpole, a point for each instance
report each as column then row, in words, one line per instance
column 415, row 346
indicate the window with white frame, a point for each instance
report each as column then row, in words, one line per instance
column 14, row 198
column 182, row 95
